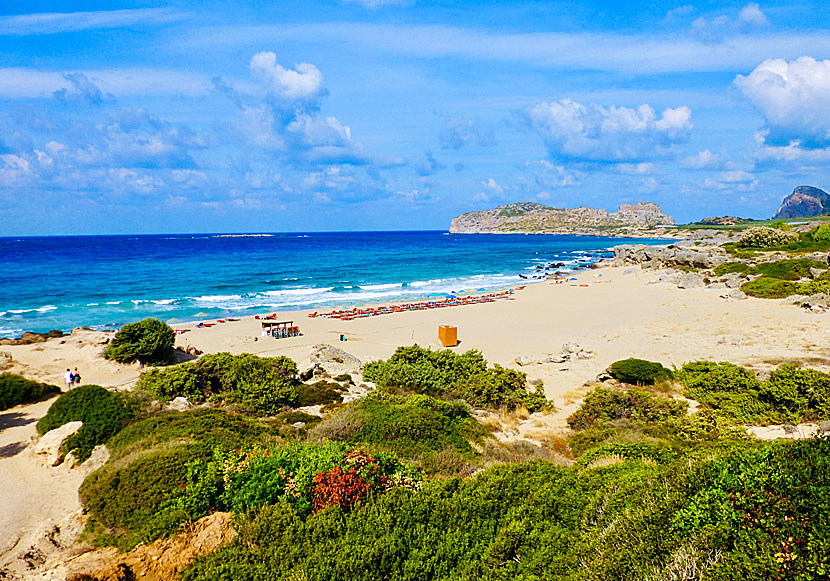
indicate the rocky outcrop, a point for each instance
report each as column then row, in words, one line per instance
column 29, row 337
column 50, row 443
column 805, row 201
column 670, row 256
column 527, row 217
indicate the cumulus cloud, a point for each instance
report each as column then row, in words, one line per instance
column 614, row 134
column 704, row 159
column 459, row 131
column 678, row 13
column 794, row 98
column 304, row 82
column 751, row 15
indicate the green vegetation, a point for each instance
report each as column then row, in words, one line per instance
column 638, row 371
column 790, row 394
column 263, row 385
column 133, row 498
column 737, row 511
column 605, row 405
column 320, row 392
column 444, row 373
column 770, row 288
column 16, row 389
column 788, row 269
column 407, row 426
column 103, row 413
column 732, row 268
column 149, row 341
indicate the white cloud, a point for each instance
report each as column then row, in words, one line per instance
column 794, row 98
column 678, row 13
column 751, row 15
column 636, row 169
column 704, row 159
column 306, row 82
column 376, row 4
column 715, row 28
column 735, row 180
column 459, row 131
column 31, row 83
column 492, row 187
column 59, row 22
column 596, row 133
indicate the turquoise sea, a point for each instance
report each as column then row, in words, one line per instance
column 107, row 281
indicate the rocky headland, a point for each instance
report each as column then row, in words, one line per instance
column 804, row 202
column 642, row 219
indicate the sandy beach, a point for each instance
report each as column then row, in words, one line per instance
column 617, row 316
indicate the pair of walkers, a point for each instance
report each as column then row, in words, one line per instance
column 72, row 378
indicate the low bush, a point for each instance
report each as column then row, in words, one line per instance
column 320, row 392
column 798, row 394
column 770, row 288
column 762, row 237
column 407, row 426
column 263, row 385
column 132, row 499
column 605, row 405
column 104, row 414
column 444, row 373
column 149, row 341
column 819, row 234
column 788, row 269
column 731, row 268
column 16, row 389
column 638, row 371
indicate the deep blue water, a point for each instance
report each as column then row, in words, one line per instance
column 106, row 281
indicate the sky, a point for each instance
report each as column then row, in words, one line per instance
column 184, row 116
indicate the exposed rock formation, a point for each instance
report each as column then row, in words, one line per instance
column 803, row 202
column 29, row 337
column 527, row 217
column 670, row 256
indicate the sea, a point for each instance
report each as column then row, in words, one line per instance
column 104, row 282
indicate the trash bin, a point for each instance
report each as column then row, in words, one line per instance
column 342, row 337
column 448, row 335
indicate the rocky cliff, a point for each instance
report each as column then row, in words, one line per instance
column 803, row 202
column 527, row 217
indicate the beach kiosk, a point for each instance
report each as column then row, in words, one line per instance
column 280, row 329
column 448, row 335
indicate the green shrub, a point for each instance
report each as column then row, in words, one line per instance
column 320, row 392
column 770, row 288
column 149, row 341
column 184, row 380
column 788, row 269
column 762, row 237
column 103, row 413
column 407, row 426
column 605, row 405
column 263, row 385
column 731, row 268
column 728, row 389
column 820, row 234
column 500, row 387
column 638, row 371
column 444, row 373
column 16, row 389
column 798, row 394
column 781, row 225
column 132, row 499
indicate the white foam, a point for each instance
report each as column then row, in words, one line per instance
column 216, row 298
column 164, row 301
column 297, row 292
column 43, row 309
column 381, row 286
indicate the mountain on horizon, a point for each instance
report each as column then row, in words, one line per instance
column 805, row 201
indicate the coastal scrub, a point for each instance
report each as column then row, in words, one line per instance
column 16, row 389
column 149, row 342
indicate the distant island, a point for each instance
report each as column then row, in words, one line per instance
column 630, row 220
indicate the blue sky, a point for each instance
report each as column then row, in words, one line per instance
column 400, row 114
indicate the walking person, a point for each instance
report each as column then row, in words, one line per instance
column 68, row 379
column 76, row 378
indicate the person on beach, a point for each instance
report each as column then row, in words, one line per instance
column 68, row 379
column 76, row 378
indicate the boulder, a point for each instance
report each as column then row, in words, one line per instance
column 733, row 281
column 327, row 359
column 670, row 256
column 49, row 445
column 689, row 280
column 816, row 272
column 180, row 404
column 735, row 294
column 523, row 360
